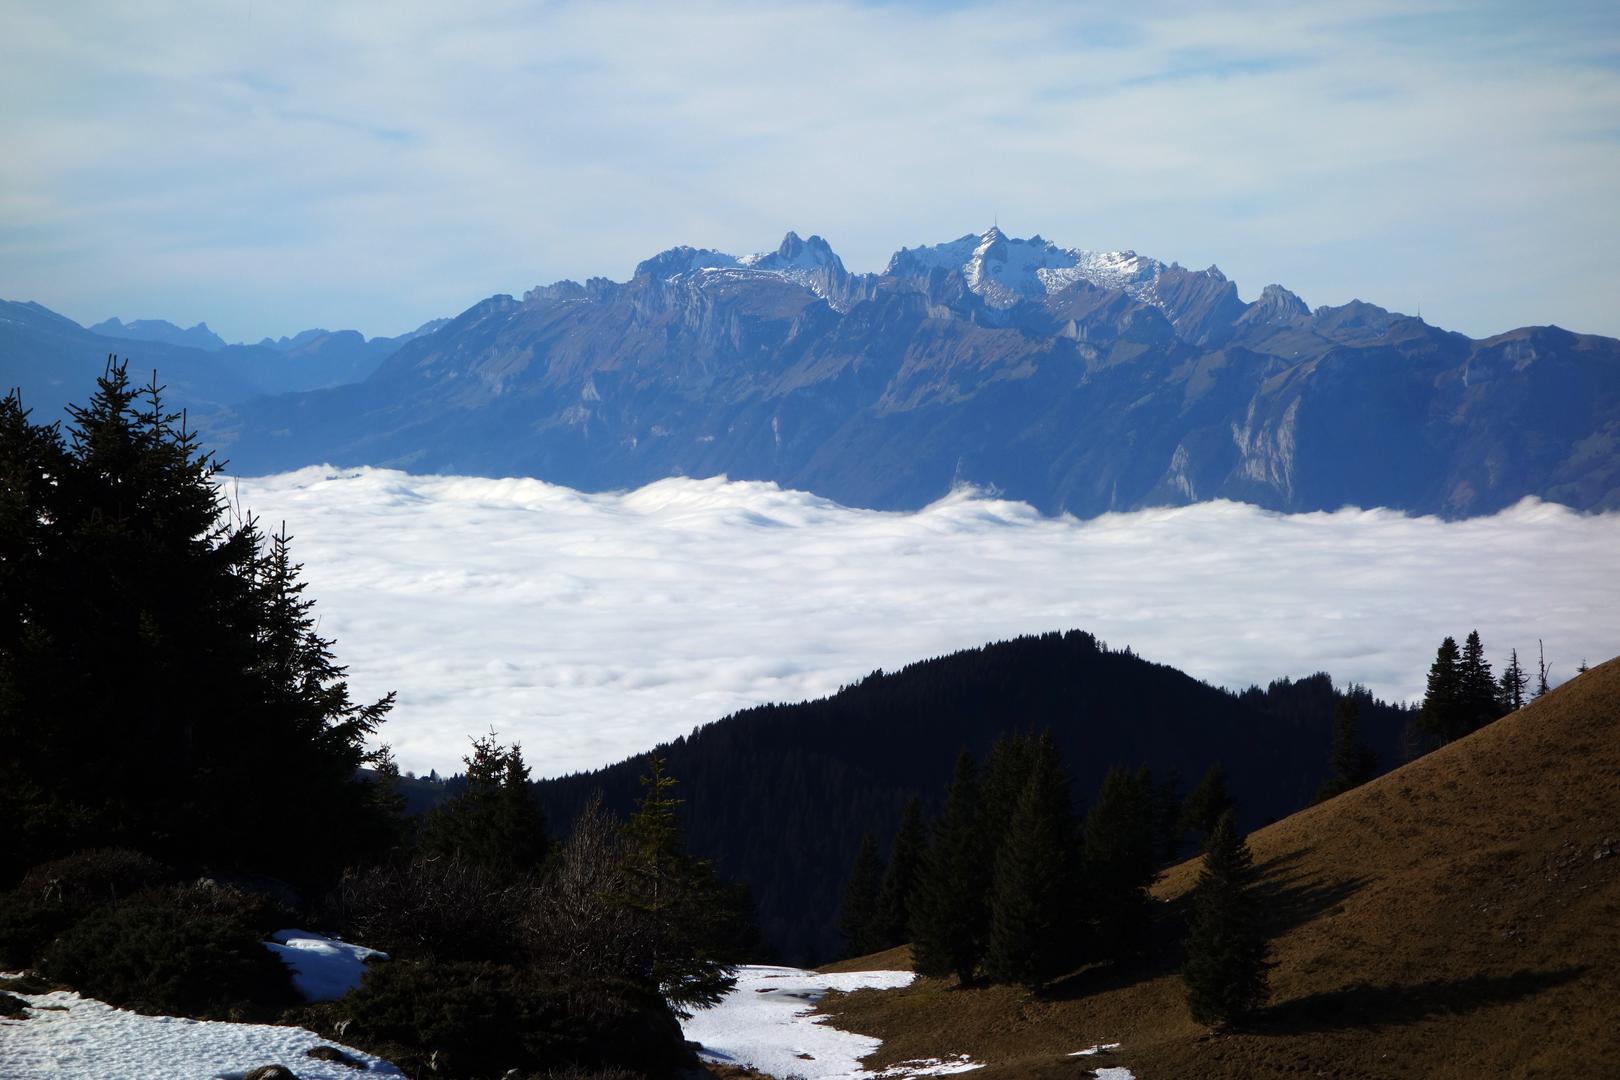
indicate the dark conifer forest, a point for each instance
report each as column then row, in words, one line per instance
column 780, row 796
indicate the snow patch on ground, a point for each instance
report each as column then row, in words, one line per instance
column 1117, row 1073
column 1100, row 1048
column 323, row 968
column 768, row 1022
column 65, row 1035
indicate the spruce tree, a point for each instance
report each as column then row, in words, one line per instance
column 1542, row 671
column 685, row 909
column 138, row 703
column 1510, row 689
column 1032, row 903
column 495, row 822
column 1477, row 687
column 1120, row 858
column 858, row 913
column 1226, row 968
column 900, row 877
column 951, row 891
column 1351, row 763
column 1208, row 801
column 1006, row 772
column 1169, row 799
column 1442, row 712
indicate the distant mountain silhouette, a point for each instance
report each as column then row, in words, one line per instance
column 1077, row 381
column 160, row 330
column 50, row 359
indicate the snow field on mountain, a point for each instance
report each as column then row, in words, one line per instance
column 768, row 1022
column 591, row 627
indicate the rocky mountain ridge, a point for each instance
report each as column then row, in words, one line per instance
column 1081, row 382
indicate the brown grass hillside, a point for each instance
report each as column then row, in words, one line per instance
column 1457, row 918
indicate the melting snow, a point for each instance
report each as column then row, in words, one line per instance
column 65, row 1035
column 1100, row 1048
column 1115, row 1074
column 323, row 968
column 768, row 1022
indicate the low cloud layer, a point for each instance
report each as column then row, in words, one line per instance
column 591, row 627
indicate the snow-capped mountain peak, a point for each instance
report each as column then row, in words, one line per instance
column 811, row 263
column 1004, row 270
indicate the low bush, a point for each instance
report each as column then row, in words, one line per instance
column 190, row 950
column 432, row 908
column 476, row 1020
column 53, row 896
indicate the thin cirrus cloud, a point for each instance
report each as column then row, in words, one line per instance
column 591, row 627
column 269, row 167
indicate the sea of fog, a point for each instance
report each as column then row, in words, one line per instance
column 590, row 627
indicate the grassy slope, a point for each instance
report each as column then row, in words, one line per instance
column 1456, row 918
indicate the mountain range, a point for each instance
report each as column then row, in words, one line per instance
column 1078, row 381
column 51, row 359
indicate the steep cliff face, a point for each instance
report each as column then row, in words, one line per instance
column 1079, row 381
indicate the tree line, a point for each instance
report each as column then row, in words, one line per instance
column 1008, row 884
column 1462, row 695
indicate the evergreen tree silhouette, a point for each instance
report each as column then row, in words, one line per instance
column 1120, row 858
column 141, row 703
column 1351, row 762
column 947, row 913
column 1477, row 704
column 1169, row 799
column 1543, row 672
column 1226, row 968
column 900, row 877
column 495, row 822
column 1006, row 773
column 1511, row 687
column 1208, row 801
column 1032, row 930
column 1442, row 712
column 858, row 919
column 686, row 909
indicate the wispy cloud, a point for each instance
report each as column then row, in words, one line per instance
column 592, row 626
column 267, row 166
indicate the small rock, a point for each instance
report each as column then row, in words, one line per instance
column 13, row 1007
column 270, row 1072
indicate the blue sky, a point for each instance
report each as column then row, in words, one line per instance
column 272, row 166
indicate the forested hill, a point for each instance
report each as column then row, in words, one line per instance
column 779, row 796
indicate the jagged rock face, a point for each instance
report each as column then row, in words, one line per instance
column 1079, row 381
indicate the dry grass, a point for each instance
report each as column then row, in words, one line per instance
column 1458, row 918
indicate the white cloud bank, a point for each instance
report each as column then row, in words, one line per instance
column 592, row 626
